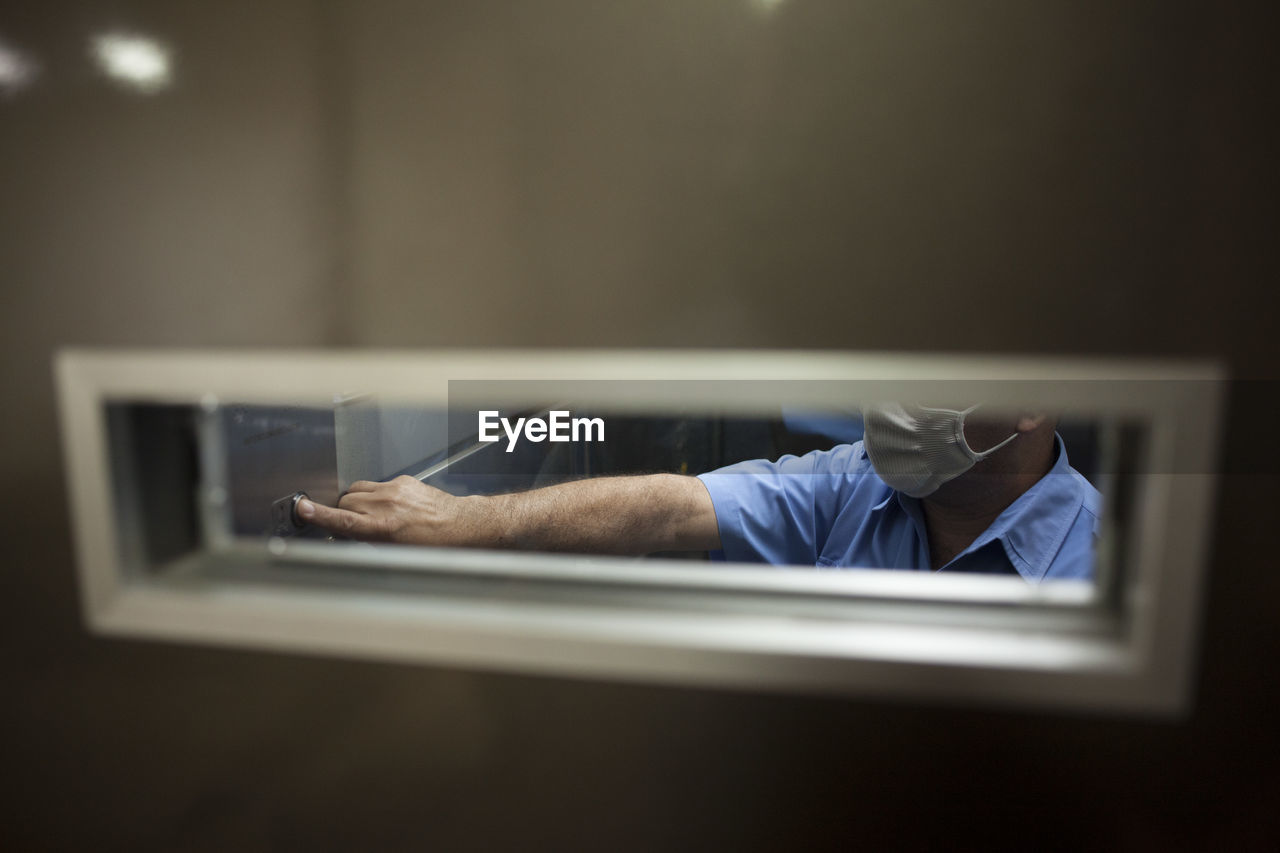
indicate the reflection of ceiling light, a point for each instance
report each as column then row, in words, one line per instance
column 17, row 69
column 135, row 61
column 766, row 6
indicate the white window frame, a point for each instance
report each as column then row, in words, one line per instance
column 902, row 634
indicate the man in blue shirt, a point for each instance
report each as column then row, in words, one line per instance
column 829, row 509
column 927, row 488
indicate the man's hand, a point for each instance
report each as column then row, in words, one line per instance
column 402, row 510
column 609, row 515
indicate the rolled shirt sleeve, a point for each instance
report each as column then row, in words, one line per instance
column 781, row 512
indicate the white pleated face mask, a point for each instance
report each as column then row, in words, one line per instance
column 915, row 449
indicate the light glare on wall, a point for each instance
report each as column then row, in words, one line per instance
column 17, row 69
column 138, row 62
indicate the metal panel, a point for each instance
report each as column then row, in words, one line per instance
column 900, row 634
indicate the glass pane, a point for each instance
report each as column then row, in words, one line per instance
column 965, row 488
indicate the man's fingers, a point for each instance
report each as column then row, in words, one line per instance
column 358, row 502
column 348, row 523
column 362, row 486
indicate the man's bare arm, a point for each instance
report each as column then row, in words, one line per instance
column 609, row 515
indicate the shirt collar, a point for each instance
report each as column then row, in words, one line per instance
column 1032, row 528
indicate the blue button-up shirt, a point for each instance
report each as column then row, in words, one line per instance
column 829, row 509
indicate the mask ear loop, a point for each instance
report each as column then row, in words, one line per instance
column 964, row 442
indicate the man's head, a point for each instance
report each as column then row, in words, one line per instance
column 919, row 449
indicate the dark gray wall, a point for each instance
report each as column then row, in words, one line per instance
column 974, row 176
